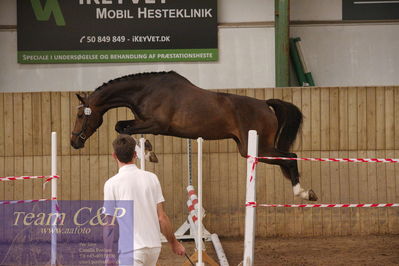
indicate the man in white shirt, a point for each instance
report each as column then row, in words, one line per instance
column 144, row 189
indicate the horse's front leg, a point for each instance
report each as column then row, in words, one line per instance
column 122, row 126
column 135, row 126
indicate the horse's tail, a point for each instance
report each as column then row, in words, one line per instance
column 289, row 121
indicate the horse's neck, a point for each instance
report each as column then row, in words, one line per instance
column 118, row 94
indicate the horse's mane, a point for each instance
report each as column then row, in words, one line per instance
column 137, row 75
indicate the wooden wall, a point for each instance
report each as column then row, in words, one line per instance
column 339, row 122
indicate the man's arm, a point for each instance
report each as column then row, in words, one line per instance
column 108, row 238
column 108, row 233
column 167, row 231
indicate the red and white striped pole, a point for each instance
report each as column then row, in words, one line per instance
column 25, row 177
column 339, row 205
column 339, row 160
column 23, row 201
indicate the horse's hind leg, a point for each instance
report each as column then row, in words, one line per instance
column 288, row 167
column 242, row 145
column 290, row 171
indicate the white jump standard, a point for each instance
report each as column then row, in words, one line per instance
column 53, row 178
column 193, row 225
column 250, row 210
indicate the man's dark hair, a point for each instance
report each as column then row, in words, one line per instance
column 124, row 148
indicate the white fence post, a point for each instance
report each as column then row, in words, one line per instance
column 250, row 211
column 199, row 235
column 142, row 153
column 54, row 198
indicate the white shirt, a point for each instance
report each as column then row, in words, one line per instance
column 143, row 187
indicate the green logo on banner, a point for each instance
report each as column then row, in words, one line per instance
column 44, row 13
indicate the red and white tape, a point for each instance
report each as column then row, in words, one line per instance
column 192, row 211
column 13, row 178
column 365, row 205
column 343, row 160
column 255, row 160
column 24, row 201
column 192, row 195
column 192, row 204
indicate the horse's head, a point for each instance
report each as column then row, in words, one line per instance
column 88, row 119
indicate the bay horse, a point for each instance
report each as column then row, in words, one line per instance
column 166, row 103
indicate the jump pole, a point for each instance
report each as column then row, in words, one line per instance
column 54, row 198
column 250, row 211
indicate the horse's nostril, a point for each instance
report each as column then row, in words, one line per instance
column 73, row 144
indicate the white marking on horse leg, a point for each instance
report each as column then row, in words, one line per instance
column 147, row 155
column 298, row 191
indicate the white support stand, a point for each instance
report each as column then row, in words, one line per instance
column 187, row 231
column 188, row 226
column 196, row 226
column 53, row 260
column 219, row 250
column 250, row 211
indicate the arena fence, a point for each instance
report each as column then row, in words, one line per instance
column 339, row 122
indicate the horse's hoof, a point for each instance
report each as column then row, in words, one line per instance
column 123, row 129
column 148, row 145
column 153, row 157
column 312, row 195
column 119, row 128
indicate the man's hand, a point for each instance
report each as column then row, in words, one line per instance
column 166, row 230
column 178, row 248
column 110, row 260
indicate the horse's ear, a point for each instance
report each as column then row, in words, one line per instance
column 81, row 99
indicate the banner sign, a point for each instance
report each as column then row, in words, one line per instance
column 370, row 9
column 79, row 227
column 116, row 31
